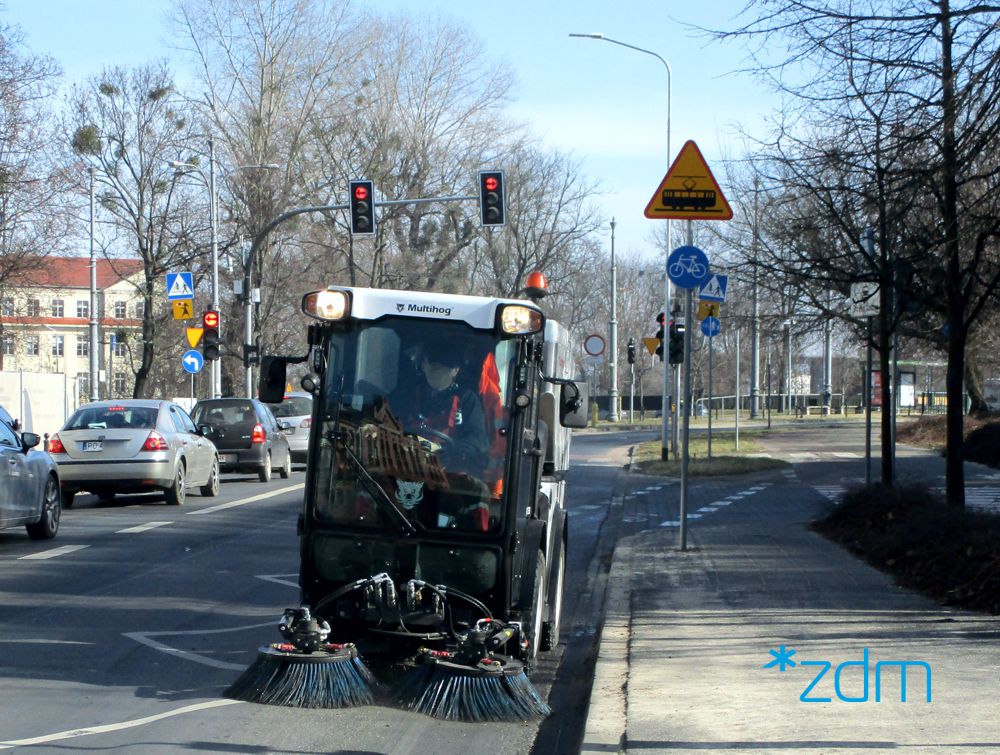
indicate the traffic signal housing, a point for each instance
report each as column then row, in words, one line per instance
column 362, row 205
column 631, row 351
column 491, row 197
column 660, row 318
column 676, row 342
column 210, row 341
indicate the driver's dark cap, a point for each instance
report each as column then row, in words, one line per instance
column 442, row 353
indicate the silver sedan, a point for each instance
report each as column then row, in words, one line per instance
column 29, row 485
column 133, row 446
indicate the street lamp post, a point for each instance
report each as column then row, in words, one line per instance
column 93, row 301
column 183, row 167
column 613, row 362
column 665, row 438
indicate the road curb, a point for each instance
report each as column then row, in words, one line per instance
column 607, row 711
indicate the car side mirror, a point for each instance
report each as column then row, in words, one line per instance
column 284, row 425
column 205, row 430
column 30, row 440
column 573, row 399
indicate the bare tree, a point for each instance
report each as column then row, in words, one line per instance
column 126, row 123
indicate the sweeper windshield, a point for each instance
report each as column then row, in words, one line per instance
column 414, row 435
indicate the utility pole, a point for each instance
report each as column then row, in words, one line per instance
column 92, row 337
column 613, row 361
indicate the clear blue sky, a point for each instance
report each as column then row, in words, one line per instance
column 604, row 104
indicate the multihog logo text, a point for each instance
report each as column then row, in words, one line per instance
column 813, row 693
column 426, row 309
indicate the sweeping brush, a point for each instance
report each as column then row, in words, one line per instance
column 306, row 672
column 495, row 688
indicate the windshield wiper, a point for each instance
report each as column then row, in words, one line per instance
column 375, row 490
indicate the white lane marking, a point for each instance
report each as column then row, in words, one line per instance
column 61, row 551
column 251, row 499
column 73, row 733
column 706, row 508
column 673, row 523
column 143, row 527
column 846, row 454
column 281, row 579
column 146, row 639
column 722, row 503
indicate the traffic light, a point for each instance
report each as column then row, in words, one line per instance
column 491, row 208
column 676, row 342
column 251, row 354
column 631, row 351
column 362, row 208
column 210, row 338
column 659, row 336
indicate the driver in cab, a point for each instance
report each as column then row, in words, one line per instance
column 439, row 409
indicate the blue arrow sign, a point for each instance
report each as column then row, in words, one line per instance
column 180, row 286
column 710, row 327
column 714, row 289
column 687, row 267
column 192, row 361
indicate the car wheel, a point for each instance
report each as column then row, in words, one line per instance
column 67, row 498
column 265, row 471
column 175, row 494
column 47, row 527
column 286, row 468
column 211, row 488
column 537, row 620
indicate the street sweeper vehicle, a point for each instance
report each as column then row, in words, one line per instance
column 433, row 531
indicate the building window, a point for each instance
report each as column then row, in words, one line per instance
column 31, row 346
column 140, row 309
column 119, row 344
column 82, row 346
column 7, row 307
column 33, row 308
column 57, row 345
column 57, row 308
column 8, row 344
column 119, row 383
column 82, row 308
column 120, row 308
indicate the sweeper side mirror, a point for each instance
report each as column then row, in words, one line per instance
column 272, row 379
column 573, row 404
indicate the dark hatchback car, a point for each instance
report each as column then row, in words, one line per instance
column 246, row 435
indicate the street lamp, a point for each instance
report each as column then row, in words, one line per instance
column 613, row 362
column 183, row 167
column 92, row 374
column 665, row 442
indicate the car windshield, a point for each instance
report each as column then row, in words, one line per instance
column 224, row 413
column 113, row 417
column 292, row 406
column 414, row 417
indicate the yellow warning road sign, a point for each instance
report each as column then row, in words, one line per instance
column 193, row 335
column 708, row 309
column 652, row 344
column 183, row 309
column 689, row 191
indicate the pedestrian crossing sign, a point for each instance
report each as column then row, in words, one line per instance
column 180, row 286
column 183, row 309
column 714, row 289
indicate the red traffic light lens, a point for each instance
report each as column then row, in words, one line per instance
column 361, row 192
column 491, row 183
column 210, row 320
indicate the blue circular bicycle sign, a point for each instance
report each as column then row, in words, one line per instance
column 687, row 267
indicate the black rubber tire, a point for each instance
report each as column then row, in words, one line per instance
column 211, row 488
column 67, row 498
column 538, row 610
column 264, row 473
column 176, row 493
column 286, row 468
column 47, row 527
column 106, row 496
column 552, row 627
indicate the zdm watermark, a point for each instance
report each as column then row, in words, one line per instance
column 813, row 693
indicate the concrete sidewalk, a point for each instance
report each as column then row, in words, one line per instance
column 687, row 635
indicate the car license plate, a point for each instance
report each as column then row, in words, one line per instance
column 93, row 445
column 227, row 458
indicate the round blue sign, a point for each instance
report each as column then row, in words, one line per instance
column 710, row 327
column 192, row 361
column 687, row 267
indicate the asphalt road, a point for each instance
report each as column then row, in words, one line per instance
column 122, row 633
